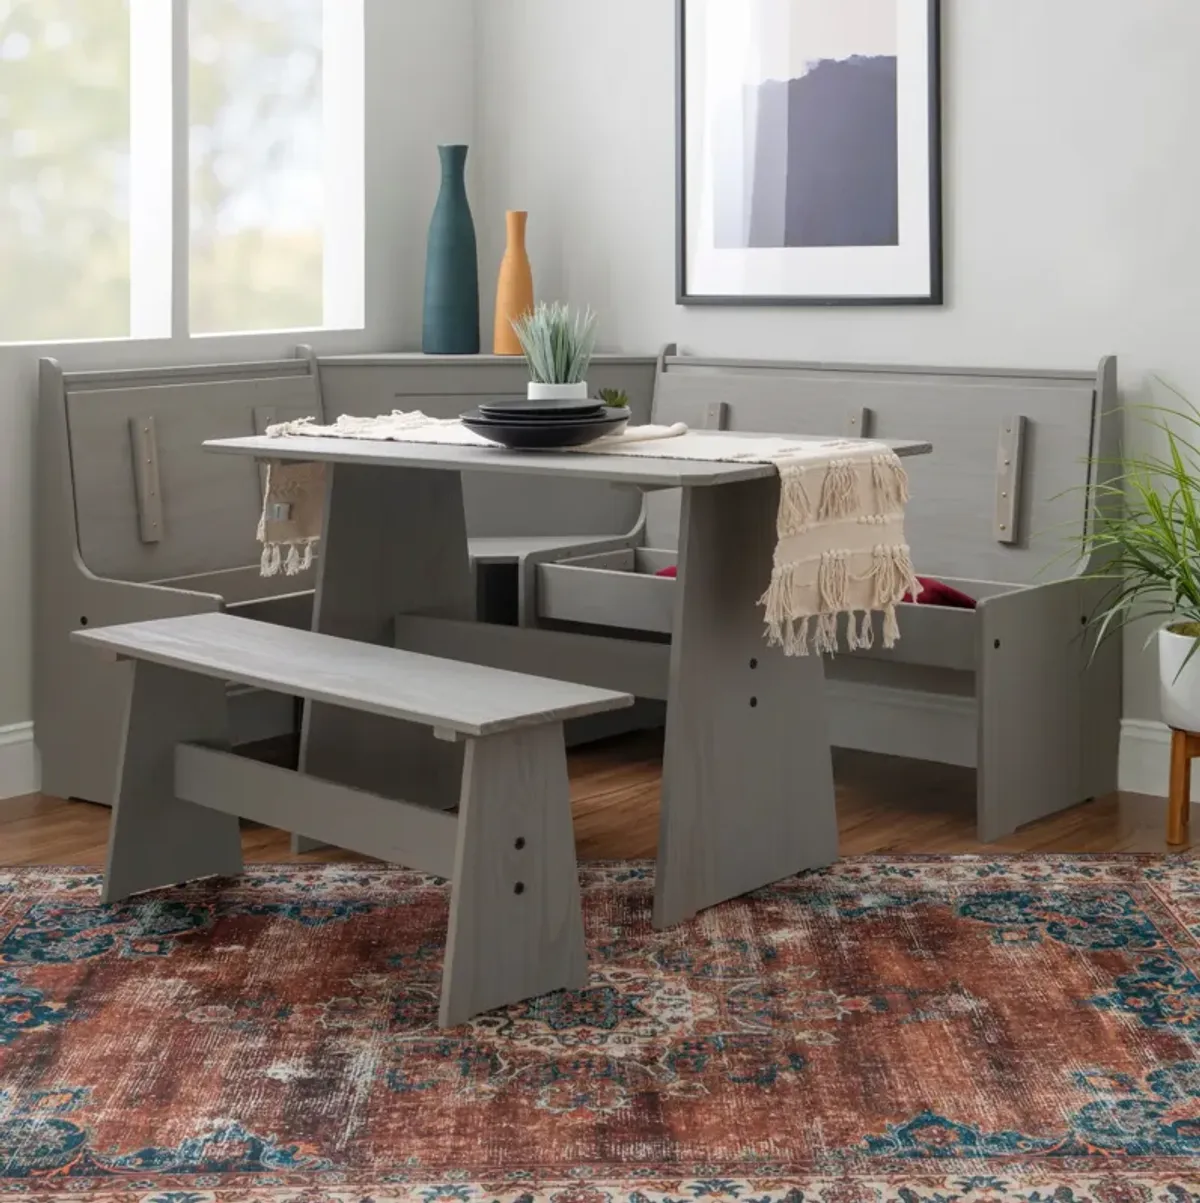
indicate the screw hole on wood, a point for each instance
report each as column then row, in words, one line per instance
column 83, row 622
column 996, row 645
column 519, row 888
column 753, row 703
column 753, row 664
column 519, row 843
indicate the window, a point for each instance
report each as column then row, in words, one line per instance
column 257, row 185
column 176, row 167
column 64, row 169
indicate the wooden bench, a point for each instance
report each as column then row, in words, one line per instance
column 1013, row 688
column 516, row 928
column 136, row 522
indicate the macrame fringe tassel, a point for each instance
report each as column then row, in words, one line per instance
column 797, row 637
column 826, row 641
column 833, row 599
column 891, row 628
column 894, row 577
column 839, row 494
column 775, row 605
column 860, row 635
column 298, row 558
column 890, row 482
column 866, row 630
column 833, row 581
column 783, row 630
column 798, row 633
column 795, row 505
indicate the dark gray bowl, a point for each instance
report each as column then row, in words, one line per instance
column 546, row 435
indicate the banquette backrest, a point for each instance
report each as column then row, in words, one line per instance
column 444, row 386
column 149, row 503
column 1009, row 487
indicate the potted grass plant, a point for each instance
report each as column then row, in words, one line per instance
column 558, row 347
column 1148, row 539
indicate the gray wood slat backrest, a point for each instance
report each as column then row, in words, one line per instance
column 445, row 387
column 209, row 503
column 952, row 518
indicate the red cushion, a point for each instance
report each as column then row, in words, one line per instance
column 666, row 571
column 935, row 593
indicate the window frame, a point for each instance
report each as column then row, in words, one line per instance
column 160, row 177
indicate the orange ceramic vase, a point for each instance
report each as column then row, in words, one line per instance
column 514, row 292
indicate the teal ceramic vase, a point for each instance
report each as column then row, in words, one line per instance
column 451, row 325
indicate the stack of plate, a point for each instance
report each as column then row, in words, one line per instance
column 544, row 425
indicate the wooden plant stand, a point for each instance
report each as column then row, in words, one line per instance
column 1185, row 746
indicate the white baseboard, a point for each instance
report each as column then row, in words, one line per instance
column 254, row 714
column 1146, row 759
column 20, row 772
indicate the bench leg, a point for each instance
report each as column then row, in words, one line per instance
column 155, row 839
column 747, row 794
column 1049, row 711
column 516, row 924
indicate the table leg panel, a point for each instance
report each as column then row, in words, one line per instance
column 395, row 542
column 748, row 793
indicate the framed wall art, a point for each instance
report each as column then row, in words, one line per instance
column 809, row 152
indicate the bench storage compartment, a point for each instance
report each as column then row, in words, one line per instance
column 610, row 589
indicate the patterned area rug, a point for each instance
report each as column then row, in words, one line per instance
column 923, row 1030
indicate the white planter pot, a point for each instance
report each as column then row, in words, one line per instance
column 1179, row 691
column 558, row 392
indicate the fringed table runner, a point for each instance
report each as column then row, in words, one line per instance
column 840, row 546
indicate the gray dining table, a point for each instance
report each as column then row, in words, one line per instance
column 747, row 788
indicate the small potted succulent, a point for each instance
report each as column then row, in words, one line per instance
column 1148, row 540
column 558, row 347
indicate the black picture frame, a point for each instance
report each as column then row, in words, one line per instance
column 937, row 261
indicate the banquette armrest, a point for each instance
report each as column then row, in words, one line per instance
column 105, row 602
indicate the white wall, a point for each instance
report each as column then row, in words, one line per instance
column 419, row 93
column 1072, row 183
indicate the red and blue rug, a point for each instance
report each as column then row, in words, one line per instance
column 917, row 1030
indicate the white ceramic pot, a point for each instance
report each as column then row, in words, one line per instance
column 558, row 392
column 1179, row 691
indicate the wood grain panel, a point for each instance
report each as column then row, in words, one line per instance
column 210, row 506
column 466, row 698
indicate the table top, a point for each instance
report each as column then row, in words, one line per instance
column 615, row 469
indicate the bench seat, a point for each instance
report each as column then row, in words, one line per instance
column 506, row 840
column 466, row 699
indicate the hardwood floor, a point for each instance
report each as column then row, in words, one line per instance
column 884, row 804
